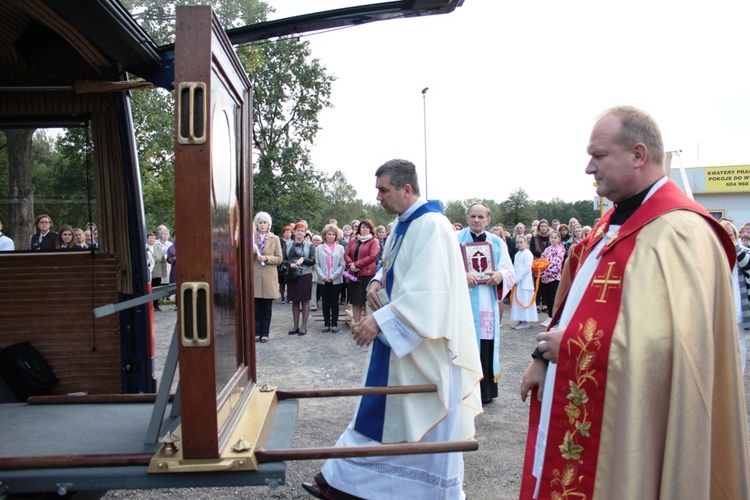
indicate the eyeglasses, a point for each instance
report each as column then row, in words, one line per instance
column 44, row 222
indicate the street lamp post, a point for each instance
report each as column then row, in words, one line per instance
column 424, row 108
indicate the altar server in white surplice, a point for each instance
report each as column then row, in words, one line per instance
column 523, row 303
column 421, row 332
column 485, row 299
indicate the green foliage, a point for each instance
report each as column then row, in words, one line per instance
column 456, row 211
column 157, row 17
column 289, row 90
column 153, row 119
column 63, row 174
column 517, row 208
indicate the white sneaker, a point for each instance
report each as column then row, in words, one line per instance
column 522, row 325
column 546, row 323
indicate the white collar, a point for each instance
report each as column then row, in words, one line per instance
column 413, row 208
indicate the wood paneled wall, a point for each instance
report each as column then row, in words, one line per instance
column 48, row 300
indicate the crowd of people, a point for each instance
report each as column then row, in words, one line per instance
column 641, row 362
column 44, row 239
column 314, row 272
column 161, row 256
column 641, row 330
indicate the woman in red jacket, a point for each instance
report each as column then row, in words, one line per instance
column 360, row 257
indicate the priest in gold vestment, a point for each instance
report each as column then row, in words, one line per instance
column 642, row 396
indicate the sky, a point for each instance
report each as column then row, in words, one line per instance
column 515, row 88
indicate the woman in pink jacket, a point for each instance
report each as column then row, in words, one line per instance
column 555, row 254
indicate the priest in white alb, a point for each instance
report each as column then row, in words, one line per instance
column 421, row 332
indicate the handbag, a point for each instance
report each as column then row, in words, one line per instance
column 292, row 274
column 289, row 273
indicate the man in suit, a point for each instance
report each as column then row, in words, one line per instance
column 44, row 239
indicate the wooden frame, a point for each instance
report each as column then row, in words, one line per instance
column 213, row 214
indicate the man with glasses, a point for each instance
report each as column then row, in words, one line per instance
column 44, row 239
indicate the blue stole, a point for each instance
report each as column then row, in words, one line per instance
column 370, row 418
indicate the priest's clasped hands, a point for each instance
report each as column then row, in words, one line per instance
column 496, row 277
column 367, row 329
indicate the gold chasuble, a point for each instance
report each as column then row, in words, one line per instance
column 648, row 399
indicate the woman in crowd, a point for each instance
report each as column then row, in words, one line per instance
column 164, row 241
column 540, row 240
column 577, row 234
column 566, row 238
column 159, row 270
column 44, row 239
column 286, row 237
column 79, row 239
column 534, row 227
column 65, row 238
column 316, row 241
column 555, row 254
column 741, row 281
column 329, row 264
column 380, row 234
column 344, row 242
column 361, row 254
column 172, row 261
column 299, row 255
column 586, row 230
column 267, row 252
column 522, row 306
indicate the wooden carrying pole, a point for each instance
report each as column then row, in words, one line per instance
column 356, row 391
column 262, row 456
column 365, row 451
column 362, row 451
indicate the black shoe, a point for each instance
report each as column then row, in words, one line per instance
column 157, row 309
column 313, row 489
column 301, row 333
column 293, row 332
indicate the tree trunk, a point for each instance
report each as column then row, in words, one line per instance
column 20, row 189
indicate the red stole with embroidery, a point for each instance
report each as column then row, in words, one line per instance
column 580, row 384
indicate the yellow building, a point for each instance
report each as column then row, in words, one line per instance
column 724, row 191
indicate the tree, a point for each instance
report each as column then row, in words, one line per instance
column 20, row 186
column 517, row 208
column 157, row 17
column 456, row 211
column 552, row 209
column 64, row 177
column 289, row 90
column 153, row 120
